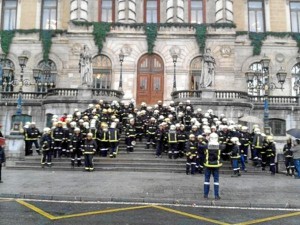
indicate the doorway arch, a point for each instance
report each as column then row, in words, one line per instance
column 150, row 79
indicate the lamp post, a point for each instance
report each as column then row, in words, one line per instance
column 174, row 57
column 263, row 83
column 121, row 59
column 22, row 62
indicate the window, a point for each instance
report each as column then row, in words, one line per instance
column 295, row 16
column 196, row 11
column 107, row 8
column 8, row 72
column 49, row 15
column 151, row 14
column 257, row 80
column 296, row 79
column 195, row 73
column 278, row 127
column 9, row 14
column 46, row 79
column 256, row 16
column 102, row 72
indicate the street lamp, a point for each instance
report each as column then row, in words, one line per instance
column 174, row 57
column 22, row 62
column 121, row 59
column 263, row 83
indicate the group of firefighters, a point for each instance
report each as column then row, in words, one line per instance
column 177, row 130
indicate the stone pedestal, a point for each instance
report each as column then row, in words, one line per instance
column 208, row 94
column 15, row 147
column 84, row 93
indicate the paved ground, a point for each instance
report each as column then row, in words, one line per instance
column 77, row 213
column 247, row 191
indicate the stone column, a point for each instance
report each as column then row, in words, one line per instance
column 127, row 11
column 79, row 10
column 15, row 148
column 224, row 11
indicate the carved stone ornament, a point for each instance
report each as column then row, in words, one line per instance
column 225, row 51
column 126, row 49
column 175, row 50
column 280, row 57
column 76, row 48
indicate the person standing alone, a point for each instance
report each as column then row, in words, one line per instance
column 2, row 160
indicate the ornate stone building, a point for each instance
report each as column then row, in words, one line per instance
column 177, row 70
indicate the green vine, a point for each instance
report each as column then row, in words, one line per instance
column 151, row 33
column 100, row 31
column 201, row 37
column 6, row 40
column 257, row 41
column 46, row 38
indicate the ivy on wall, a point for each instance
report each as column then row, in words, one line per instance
column 257, row 39
column 201, row 37
column 45, row 36
column 100, row 31
column 151, row 34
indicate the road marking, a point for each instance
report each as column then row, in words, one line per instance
column 102, row 212
column 269, row 218
column 190, row 215
column 6, row 199
column 36, row 209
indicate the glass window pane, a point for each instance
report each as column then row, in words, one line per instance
column 294, row 21
column 252, row 21
column 106, row 4
column 255, row 4
column 260, row 22
column 143, row 84
column 295, row 5
column 156, row 84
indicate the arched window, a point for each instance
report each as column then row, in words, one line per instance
column 101, row 72
column 257, row 80
column 45, row 78
column 195, row 73
column 296, row 79
column 8, row 75
column 278, row 127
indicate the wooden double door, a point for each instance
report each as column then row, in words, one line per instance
column 150, row 79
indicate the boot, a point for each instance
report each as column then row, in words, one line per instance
column 78, row 163
column 38, row 152
column 72, row 163
column 147, row 146
column 187, row 171
column 293, row 172
column 287, row 172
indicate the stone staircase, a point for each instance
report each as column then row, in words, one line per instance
column 141, row 160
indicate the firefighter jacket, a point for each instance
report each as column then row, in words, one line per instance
column 151, row 128
column 46, row 142
column 235, row 152
column 58, row 134
column 287, row 151
column 89, row 146
column 139, row 124
column 113, row 135
column 130, row 131
column 102, row 135
column 181, row 136
column 76, row 141
column 172, row 137
column 33, row 133
column 213, row 156
column 271, row 149
column 202, row 146
column 192, row 149
column 244, row 138
column 160, row 135
column 258, row 141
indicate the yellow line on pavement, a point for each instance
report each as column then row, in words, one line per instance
column 36, row 209
column 190, row 215
column 102, row 212
column 269, row 218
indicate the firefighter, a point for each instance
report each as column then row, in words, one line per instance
column 257, row 145
column 75, row 147
column 139, row 126
column 191, row 154
column 114, row 138
column 33, row 135
column 150, row 131
column 46, row 146
column 159, row 137
column 89, row 147
column 271, row 153
column 26, row 139
column 103, row 139
column 173, row 142
column 212, row 164
column 235, row 156
column 57, row 138
column 130, row 135
column 202, row 146
column 182, row 138
column 289, row 158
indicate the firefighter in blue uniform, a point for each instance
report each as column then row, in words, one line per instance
column 57, row 139
column 130, row 135
column 150, row 131
column 46, row 145
column 114, row 138
column 271, row 153
column 212, row 164
column 289, row 158
column 33, row 135
column 235, row 157
column 173, row 142
column 159, row 137
column 89, row 147
column 75, row 147
column 191, row 154
column 103, row 139
column 182, row 138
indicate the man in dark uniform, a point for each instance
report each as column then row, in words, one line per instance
column 289, row 158
column 89, row 147
column 191, row 154
column 150, row 131
column 57, row 139
column 75, row 147
column 33, row 135
column 114, row 138
column 173, row 142
column 46, row 144
column 130, row 135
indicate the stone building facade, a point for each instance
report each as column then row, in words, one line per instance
column 214, row 79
